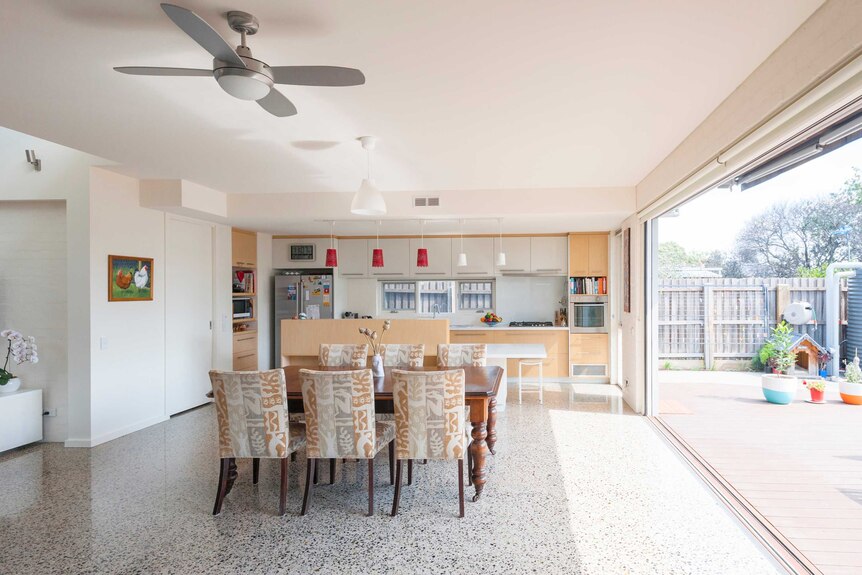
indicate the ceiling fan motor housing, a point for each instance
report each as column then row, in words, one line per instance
column 250, row 83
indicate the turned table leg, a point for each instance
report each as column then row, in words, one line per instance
column 479, row 451
column 492, row 425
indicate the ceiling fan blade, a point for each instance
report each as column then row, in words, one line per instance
column 203, row 34
column 158, row 71
column 276, row 104
column 317, row 76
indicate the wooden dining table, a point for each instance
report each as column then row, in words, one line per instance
column 480, row 393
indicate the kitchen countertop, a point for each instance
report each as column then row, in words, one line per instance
column 501, row 326
column 516, row 351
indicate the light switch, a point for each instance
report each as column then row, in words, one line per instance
column 103, row 343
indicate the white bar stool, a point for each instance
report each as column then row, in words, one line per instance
column 530, row 363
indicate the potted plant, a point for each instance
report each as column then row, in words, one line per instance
column 850, row 387
column 765, row 355
column 816, row 388
column 823, row 359
column 779, row 387
column 22, row 350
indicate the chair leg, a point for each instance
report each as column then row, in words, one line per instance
column 469, row 466
column 397, row 499
column 293, row 456
column 332, row 471
column 314, row 479
column 285, row 478
column 371, row 487
column 255, row 469
column 391, row 463
column 224, row 470
column 460, row 488
column 409, row 472
column 310, row 469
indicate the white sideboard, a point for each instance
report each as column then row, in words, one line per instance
column 20, row 418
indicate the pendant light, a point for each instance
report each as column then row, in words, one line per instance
column 422, row 253
column 331, row 254
column 377, row 254
column 462, row 257
column 368, row 201
column 501, row 255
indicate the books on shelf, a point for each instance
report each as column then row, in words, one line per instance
column 588, row 285
column 243, row 282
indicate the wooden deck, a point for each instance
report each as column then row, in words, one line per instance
column 799, row 465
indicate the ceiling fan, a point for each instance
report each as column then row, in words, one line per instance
column 237, row 72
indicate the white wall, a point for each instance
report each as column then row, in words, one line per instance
column 33, row 298
column 128, row 376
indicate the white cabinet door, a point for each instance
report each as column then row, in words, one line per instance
column 480, row 260
column 517, row 252
column 353, row 258
column 549, row 255
column 439, row 258
column 396, row 258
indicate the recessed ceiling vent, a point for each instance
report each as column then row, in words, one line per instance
column 427, row 202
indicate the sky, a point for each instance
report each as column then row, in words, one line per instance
column 713, row 220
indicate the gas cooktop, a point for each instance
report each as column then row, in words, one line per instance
column 531, row 324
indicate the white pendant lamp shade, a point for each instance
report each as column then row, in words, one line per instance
column 501, row 259
column 368, row 201
column 462, row 260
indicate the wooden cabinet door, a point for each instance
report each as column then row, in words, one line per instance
column 244, row 248
column 480, row 257
column 353, row 258
column 548, row 255
column 517, row 252
column 588, row 348
column 439, row 258
column 579, row 255
column 471, row 336
column 396, row 257
column 598, row 255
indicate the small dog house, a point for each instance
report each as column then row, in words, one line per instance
column 807, row 351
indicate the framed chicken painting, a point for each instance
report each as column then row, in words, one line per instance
column 130, row 279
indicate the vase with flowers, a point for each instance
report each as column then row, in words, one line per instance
column 817, row 388
column 21, row 350
column 375, row 342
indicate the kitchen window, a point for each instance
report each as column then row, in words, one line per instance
column 476, row 295
column 436, row 297
column 398, row 296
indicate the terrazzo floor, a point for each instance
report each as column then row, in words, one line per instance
column 572, row 489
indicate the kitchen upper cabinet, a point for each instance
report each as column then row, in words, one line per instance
column 244, row 248
column 548, row 255
column 480, row 257
column 517, row 252
column 396, row 258
column 353, row 259
column 588, row 255
column 439, row 258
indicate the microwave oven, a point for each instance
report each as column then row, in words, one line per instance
column 242, row 308
column 588, row 314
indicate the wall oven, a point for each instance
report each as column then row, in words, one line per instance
column 588, row 314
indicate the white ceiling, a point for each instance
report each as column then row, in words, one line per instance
column 486, row 94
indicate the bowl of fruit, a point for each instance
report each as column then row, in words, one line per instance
column 491, row 319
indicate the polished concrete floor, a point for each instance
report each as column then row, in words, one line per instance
column 572, row 489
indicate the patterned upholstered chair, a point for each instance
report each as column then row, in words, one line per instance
column 347, row 355
column 430, row 422
column 403, row 355
column 340, row 423
column 253, row 421
column 462, row 354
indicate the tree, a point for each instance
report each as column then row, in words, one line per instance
column 672, row 257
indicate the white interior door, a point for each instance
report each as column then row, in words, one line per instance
column 189, row 312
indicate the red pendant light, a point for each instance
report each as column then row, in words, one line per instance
column 422, row 253
column 377, row 254
column 331, row 253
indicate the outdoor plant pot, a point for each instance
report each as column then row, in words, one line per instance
column 850, row 392
column 817, row 395
column 778, row 388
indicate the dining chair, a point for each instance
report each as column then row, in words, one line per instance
column 403, row 354
column 340, row 423
column 253, row 422
column 462, row 354
column 349, row 355
column 430, row 422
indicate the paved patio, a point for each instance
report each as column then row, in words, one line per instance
column 799, row 465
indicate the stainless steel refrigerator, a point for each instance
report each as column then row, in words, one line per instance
column 296, row 292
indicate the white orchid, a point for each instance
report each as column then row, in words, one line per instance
column 21, row 349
